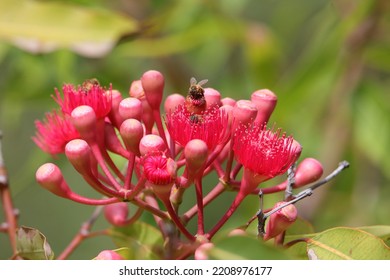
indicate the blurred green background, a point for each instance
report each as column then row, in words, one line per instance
column 327, row 61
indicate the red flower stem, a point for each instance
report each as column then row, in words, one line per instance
column 112, row 165
column 160, row 128
column 235, row 170
column 199, row 202
column 218, row 168
column 274, row 189
column 140, row 186
column 135, row 217
column 229, row 163
column 129, row 172
column 149, row 208
column 83, row 233
column 91, row 201
column 172, row 147
column 175, row 218
column 214, row 193
column 97, row 185
column 214, row 154
column 6, row 201
column 233, row 207
column 97, row 153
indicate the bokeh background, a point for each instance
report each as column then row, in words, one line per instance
column 327, row 61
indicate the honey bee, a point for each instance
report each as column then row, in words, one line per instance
column 89, row 84
column 195, row 101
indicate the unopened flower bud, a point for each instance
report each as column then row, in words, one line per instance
column 151, row 143
column 228, row 101
column 137, row 91
column 244, row 112
column 201, row 253
column 112, row 142
column 108, row 255
column 78, row 153
column 196, row 153
column 114, row 116
column 116, row 213
column 213, row 97
column 265, row 102
column 132, row 131
column 49, row 176
column 172, row 101
column 130, row 108
column 84, row 120
column 308, row 171
column 281, row 220
column 237, row 232
column 153, row 85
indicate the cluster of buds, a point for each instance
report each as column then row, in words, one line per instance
column 168, row 152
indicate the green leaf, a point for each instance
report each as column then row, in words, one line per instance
column 381, row 231
column 32, row 244
column 38, row 26
column 347, row 244
column 143, row 240
column 244, row 248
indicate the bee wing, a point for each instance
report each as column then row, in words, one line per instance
column 202, row 82
column 193, row 81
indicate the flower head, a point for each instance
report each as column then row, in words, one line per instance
column 158, row 169
column 54, row 133
column 90, row 93
column 210, row 126
column 264, row 151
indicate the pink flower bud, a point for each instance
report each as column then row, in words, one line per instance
column 116, row 213
column 108, row 255
column 265, row 102
column 130, row 108
column 201, row 253
column 196, row 153
column 153, row 85
column 151, row 143
column 137, row 91
column 280, row 220
column 213, row 97
column 228, row 101
column 172, row 102
column 237, row 232
column 49, row 176
column 308, row 171
column 78, row 153
column 112, row 142
column 84, row 120
column 114, row 116
column 132, row 132
column 244, row 112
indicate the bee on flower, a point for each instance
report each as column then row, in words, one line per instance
column 195, row 102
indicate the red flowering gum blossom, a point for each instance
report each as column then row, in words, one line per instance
column 160, row 173
column 54, row 133
column 158, row 169
column 263, row 151
column 93, row 95
column 211, row 126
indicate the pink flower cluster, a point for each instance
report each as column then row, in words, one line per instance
column 166, row 152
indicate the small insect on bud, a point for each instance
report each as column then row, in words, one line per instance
column 195, row 101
